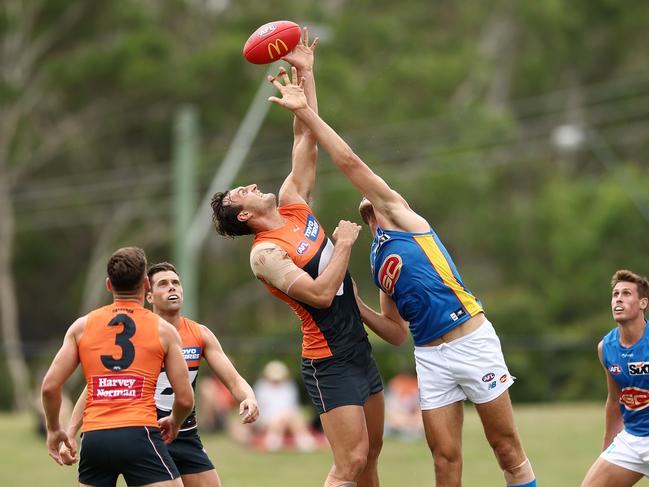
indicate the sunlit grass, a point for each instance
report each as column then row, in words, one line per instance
column 561, row 440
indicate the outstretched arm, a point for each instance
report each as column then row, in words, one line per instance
column 385, row 201
column 300, row 182
column 225, row 371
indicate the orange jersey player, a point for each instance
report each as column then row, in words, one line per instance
column 121, row 348
column 197, row 342
column 298, row 263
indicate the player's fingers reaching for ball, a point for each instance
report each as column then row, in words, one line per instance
column 305, row 40
column 275, row 82
column 284, row 76
column 294, row 76
column 281, row 73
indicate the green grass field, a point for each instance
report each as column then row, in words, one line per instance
column 561, row 440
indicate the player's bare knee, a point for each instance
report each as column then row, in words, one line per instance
column 508, row 451
column 353, row 464
column 447, row 459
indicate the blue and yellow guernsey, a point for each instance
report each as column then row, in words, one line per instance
column 629, row 367
column 417, row 272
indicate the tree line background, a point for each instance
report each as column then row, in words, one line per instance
column 519, row 129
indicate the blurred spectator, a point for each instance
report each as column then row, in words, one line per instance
column 216, row 404
column 281, row 422
column 402, row 412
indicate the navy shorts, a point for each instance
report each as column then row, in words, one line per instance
column 136, row 452
column 188, row 453
column 343, row 380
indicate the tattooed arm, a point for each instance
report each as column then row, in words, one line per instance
column 272, row 264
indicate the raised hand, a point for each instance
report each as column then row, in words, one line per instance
column 302, row 55
column 292, row 90
column 346, row 232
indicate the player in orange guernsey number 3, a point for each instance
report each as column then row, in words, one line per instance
column 122, row 348
column 198, row 342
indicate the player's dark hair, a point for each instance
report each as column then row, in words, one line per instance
column 160, row 267
column 624, row 275
column 224, row 216
column 126, row 269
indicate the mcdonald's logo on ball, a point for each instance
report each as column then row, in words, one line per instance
column 278, row 47
column 272, row 41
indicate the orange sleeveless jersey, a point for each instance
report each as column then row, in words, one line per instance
column 326, row 332
column 192, row 348
column 121, row 356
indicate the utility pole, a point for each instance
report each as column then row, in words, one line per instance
column 185, row 161
column 192, row 224
column 232, row 161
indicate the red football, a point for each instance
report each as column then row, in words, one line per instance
column 271, row 42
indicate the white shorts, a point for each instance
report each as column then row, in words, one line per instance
column 471, row 367
column 630, row 452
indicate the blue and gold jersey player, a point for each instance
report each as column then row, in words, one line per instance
column 624, row 354
column 457, row 352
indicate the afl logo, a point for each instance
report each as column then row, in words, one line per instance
column 615, row 369
column 266, row 29
column 389, row 273
column 488, row 377
column 302, row 247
